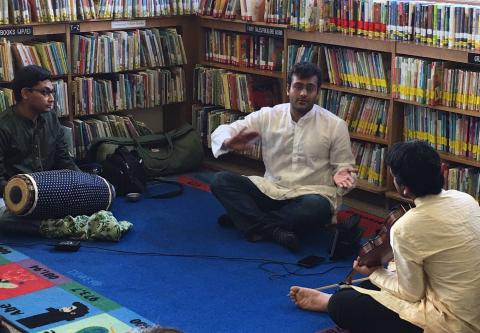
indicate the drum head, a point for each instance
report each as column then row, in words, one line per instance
column 17, row 196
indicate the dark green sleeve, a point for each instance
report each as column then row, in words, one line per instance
column 4, row 143
column 63, row 160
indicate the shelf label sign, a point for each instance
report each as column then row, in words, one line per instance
column 264, row 30
column 75, row 27
column 474, row 58
column 128, row 24
column 16, row 31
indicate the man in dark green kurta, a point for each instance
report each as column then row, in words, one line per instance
column 31, row 137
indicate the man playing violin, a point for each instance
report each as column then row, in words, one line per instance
column 435, row 284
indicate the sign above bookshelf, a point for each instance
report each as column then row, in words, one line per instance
column 264, row 30
column 16, row 31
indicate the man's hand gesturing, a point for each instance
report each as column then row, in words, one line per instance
column 242, row 140
column 345, row 177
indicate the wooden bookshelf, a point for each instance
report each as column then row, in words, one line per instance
column 366, row 186
column 441, row 108
column 356, row 91
column 248, row 70
column 433, row 52
column 369, row 138
column 459, row 159
column 342, row 40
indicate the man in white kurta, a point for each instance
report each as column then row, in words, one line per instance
column 435, row 286
column 307, row 156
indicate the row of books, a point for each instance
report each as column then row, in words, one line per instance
column 29, row 11
column 146, row 89
column 244, row 50
column 417, row 80
column 462, row 179
column 364, row 115
column 370, row 161
column 50, row 55
column 116, row 51
column 439, row 24
column 431, row 82
column 450, row 25
column 452, row 133
column 111, row 9
column 357, row 69
column 304, row 53
column 247, row 10
column 80, row 133
column 234, row 91
column 206, row 118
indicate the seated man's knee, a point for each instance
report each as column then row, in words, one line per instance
column 220, row 180
column 316, row 207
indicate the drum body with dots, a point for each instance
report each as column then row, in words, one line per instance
column 57, row 193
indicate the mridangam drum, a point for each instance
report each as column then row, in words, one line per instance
column 57, row 193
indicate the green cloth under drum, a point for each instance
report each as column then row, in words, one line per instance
column 101, row 225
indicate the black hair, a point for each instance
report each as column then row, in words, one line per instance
column 417, row 165
column 304, row 70
column 28, row 77
column 80, row 310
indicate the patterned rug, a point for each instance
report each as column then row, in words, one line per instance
column 36, row 298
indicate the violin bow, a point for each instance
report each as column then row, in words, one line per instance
column 341, row 284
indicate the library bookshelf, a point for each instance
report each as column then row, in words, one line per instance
column 389, row 50
column 160, row 115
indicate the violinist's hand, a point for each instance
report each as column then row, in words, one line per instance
column 364, row 269
column 345, row 177
column 242, row 140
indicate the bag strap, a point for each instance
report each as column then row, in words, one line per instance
column 166, row 195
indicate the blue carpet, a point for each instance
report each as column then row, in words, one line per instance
column 186, row 289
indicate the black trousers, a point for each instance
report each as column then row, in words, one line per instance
column 360, row 313
column 252, row 211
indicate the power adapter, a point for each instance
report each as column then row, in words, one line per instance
column 67, row 246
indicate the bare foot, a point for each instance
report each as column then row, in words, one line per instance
column 309, row 299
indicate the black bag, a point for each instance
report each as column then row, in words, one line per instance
column 346, row 238
column 125, row 171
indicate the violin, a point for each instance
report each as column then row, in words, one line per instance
column 375, row 252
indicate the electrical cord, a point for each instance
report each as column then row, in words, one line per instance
column 262, row 262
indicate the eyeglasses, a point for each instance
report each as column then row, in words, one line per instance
column 44, row 92
column 310, row 88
